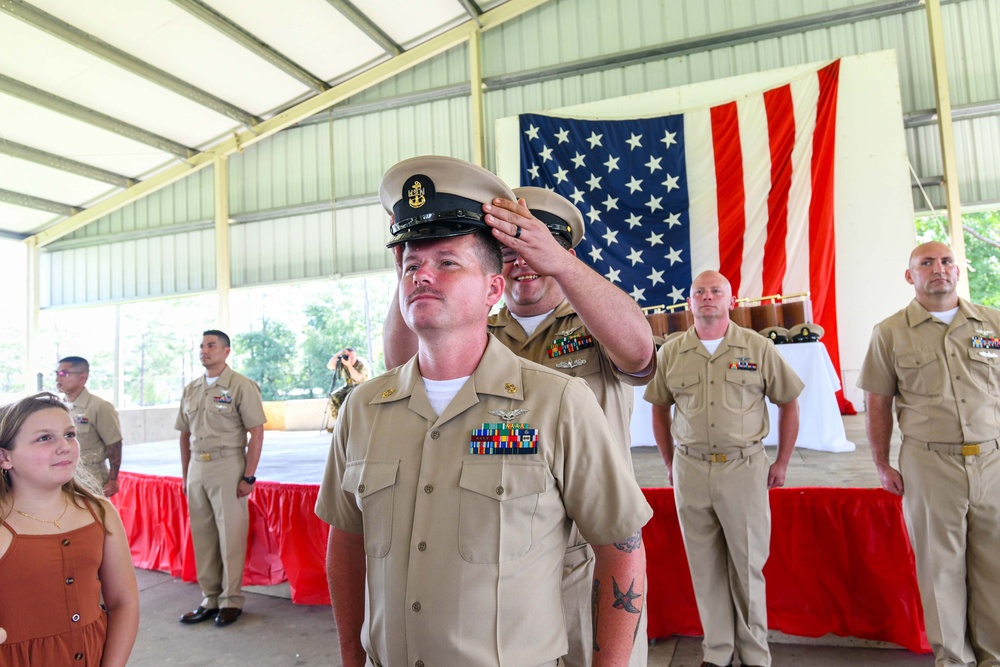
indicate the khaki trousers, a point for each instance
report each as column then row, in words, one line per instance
column 219, row 527
column 952, row 510
column 725, row 518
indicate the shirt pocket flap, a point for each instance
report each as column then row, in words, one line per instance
column 367, row 477
column 984, row 356
column 684, row 382
column 504, row 480
column 915, row 360
column 742, row 376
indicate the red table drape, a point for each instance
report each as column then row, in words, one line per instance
column 840, row 560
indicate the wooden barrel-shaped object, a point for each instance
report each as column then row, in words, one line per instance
column 658, row 323
column 679, row 320
column 765, row 315
column 741, row 315
column 795, row 313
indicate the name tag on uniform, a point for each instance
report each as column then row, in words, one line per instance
column 503, row 439
column 81, row 419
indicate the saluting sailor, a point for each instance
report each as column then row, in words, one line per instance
column 453, row 480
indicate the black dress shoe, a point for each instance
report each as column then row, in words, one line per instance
column 198, row 615
column 712, row 664
column 227, row 616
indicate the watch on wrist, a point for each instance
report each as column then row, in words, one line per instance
column 249, row 479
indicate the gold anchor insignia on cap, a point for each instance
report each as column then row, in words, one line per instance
column 388, row 392
column 508, row 415
column 566, row 332
column 511, row 389
column 571, row 363
column 416, row 195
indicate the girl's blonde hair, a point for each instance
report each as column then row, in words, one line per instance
column 12, row 418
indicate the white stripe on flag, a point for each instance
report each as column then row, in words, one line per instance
column 756, row 152
column 805, row 98
column 703, row 211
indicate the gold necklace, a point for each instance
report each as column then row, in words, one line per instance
column 54, row 522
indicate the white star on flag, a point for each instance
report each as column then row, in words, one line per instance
column 595, row 255
column 610, row 236
column 533, row 170
column 562, row 135
column 671, row 183
column 594, row 215
column 612, row 163
column 561, row 175
column 633, row 221
column 655, row 277
column 633, row 185
column 654, row 164
column 654, row 203
column 612, row 275
column 674, row 256
column 673, row 219
column 655, row 239
column 668, row 139
column 635, row 256
column 578, row 159
column 546, row 153
column 610, row 203
column 634, row 141
column 577, row 195
column 594, row 139
column 594, row 182
column 677, row 294
column 638, row 294
column 532, row 132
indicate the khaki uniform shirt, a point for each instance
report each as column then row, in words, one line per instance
column 465, row 550
column 720, row 406
column 220, row 415
column 612, row 387
column 946, row 389
column 97, row 426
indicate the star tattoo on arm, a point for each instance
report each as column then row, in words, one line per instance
column 631, row 543
column 624, row 600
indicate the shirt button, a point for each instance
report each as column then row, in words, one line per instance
column 711, row 402
column 422, row 546
column 435, row 435
column 361, row 488
column 712, row 425
column 65, row 543
column 75, row 618
column 418, row 663
column 69, row 581
column 78, row 656
column 711, row 381
column 963, row 400
column 428, row 488
column 416, row 606
column 499, row 490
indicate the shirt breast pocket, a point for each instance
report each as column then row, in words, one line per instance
column 743, row 388
column 687, row 389
column 497, row 509
column 920, row 373
column 373, row 482
column 984, row 367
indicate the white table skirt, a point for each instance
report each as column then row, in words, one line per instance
column 820, row 424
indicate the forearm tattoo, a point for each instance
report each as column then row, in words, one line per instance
column 595, row 611
column 630, row 544
column 115, row 458
column 623, row 600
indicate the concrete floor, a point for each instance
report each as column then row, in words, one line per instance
column 274, row 632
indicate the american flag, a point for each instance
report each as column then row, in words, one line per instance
column 744, row 187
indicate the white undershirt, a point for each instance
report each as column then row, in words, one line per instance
column 712, row 345
column 529, row 324
column 210, row 381
column 946, row 316
column 440, row 392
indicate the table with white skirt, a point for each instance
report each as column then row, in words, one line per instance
column 820, row 424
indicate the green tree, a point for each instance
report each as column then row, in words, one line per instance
column 351, row 313
column 267, row 356
column 982, row 251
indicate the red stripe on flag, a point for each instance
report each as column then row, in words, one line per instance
column 781, row 137
column 822, row 246
column 729, row 191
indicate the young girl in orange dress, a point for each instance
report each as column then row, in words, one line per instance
column 61, row 549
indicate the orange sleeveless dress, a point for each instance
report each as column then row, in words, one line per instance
column 50, row 599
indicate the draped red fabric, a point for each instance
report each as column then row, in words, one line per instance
column 840, row 561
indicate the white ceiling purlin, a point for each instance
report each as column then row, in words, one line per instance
column 320, row 102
